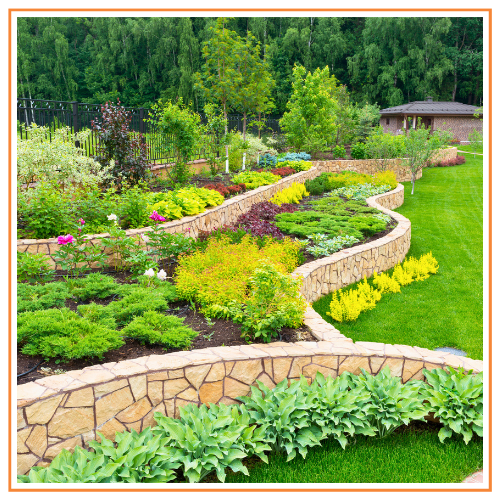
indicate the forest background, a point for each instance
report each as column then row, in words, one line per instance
column 382, row 61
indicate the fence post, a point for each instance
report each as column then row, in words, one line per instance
column 75, row 121
column 141, row 125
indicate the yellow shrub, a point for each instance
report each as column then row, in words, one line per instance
column 401, row 275
column 385, row 284
column 292, row 194
column 383, row 178
column 347, row 305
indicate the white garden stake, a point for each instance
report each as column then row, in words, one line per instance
column 244, row 156
column 227, row 159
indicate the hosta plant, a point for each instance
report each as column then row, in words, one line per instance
column 392, row 403
column 339, row 410
column 456, row 399
column 33, row 268
column 81, row 466
column 140, row 457
column 212, row 439
column 285, row 413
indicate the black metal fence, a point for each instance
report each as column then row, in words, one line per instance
column 79, row 116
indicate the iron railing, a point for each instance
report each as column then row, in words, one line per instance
column 79, row 116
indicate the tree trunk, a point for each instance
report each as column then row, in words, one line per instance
column 412, row 182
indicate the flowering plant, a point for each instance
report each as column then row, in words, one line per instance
column 118, row 241
column 76, row 255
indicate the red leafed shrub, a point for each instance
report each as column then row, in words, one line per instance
column 282, row 171
column 459, row 160
column 226, row 190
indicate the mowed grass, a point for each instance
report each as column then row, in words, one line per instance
column 410, row 456
column 469, row 148
column 446, row 213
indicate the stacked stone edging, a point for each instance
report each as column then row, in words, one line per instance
column 64, row 411
column 325, row 275
column 210, row 219
column 370, row 167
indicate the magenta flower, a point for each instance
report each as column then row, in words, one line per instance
column 81, row 221
column 157, row 217
column 64, row 240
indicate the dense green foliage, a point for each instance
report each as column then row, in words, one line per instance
column 384, row 60
column 40, row 297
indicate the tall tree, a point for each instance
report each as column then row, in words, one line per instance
column 188, row 60
column 220, row 76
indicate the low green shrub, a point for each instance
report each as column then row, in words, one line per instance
column 39, row 297
column 33, row 267
column 297, row 165
column 358, row 151
column 211, row 439
column 155, row 328
column 97, row 313
column 62, row 334
column 136, row 303
column 93, row 286
column 456, row 399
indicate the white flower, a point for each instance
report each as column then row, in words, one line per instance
column 144, row 238
column 162, row 275
column 112, row 217
column 150, row 273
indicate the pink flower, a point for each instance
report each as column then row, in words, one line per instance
column 157, row 217
column 64, row 240
column 81, row 221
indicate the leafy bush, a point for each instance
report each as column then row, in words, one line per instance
column 458, row 160
column 220, row 274
column 226, row 190
column 47, row 211
column 254, row 180
column 323, row 246
column 361, row 192
column 124, row 152
column 295, row 157
column 297, row 165
column 385, row 178
column 267, row 160
column 282, row 172
column 358, row 151
column 33, row 267
column 392, row 403
column 62, row 334
column 384, row 146
column 57, row 161
column 156, row 328
column 185, row 201
column 211, row 439
column 284, row 414
column 274, row 302
column 456, row 398
column 291, row 194
column 39, row 297
column 339, row 152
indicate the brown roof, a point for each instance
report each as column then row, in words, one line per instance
column 430, row 107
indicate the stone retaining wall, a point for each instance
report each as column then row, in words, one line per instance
column 372, row 166
column 66, row 410
column 226, row 213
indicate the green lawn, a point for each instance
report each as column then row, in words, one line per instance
column 446, row 213
column 410, row 456
column 469, row 148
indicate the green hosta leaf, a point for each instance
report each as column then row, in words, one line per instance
column 444, row 433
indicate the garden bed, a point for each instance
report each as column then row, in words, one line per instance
column 211, row 333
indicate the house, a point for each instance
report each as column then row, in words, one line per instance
column 442, row 115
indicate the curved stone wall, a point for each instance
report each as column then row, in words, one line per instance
column 66, row 410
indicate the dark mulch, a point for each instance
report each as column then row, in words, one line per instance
column 212, row 333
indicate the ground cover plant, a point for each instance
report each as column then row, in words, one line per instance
column 447, row 309
column 350, row 415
